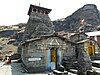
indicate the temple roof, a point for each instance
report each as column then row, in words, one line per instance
column 38, row 8
column 48, row 36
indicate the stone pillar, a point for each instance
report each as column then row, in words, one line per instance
column 84, row 62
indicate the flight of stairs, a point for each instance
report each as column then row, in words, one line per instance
column 95, row 70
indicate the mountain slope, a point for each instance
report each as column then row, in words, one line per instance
column 88, row 12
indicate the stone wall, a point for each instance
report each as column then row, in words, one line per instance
column 36, row 52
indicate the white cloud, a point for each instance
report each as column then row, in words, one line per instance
column 15, row 11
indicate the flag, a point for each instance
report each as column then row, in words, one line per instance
column 82, row 22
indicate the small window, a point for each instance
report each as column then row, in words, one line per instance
column 42, row 12
column 34, row 10
column 46, row 12
column 38, row 11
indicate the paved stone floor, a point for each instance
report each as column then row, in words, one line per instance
column 16, row 69
column 96, row 61
column 13, row 69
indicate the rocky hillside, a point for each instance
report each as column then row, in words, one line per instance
column 13, row 33
column 10, row 37
column 88, row 12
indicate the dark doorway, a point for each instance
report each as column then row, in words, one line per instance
column 54, row 56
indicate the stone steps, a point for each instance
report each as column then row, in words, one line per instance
column 74, row 71
column 95, row 68
column 96, row 63
column 56, row 72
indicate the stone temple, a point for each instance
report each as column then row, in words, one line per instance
column 44, row 50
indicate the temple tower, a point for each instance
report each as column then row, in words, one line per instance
column 39, row 23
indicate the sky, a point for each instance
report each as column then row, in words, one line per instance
column 15, row 11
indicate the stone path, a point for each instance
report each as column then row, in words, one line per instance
column 96, row 61
column 16, row 69
column 13, row 69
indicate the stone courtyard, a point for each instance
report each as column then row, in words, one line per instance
column 16, row 69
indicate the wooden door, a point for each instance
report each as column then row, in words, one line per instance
column 54, row 58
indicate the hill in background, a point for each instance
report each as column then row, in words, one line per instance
column 88, row 12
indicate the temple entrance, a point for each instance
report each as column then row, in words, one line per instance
column 54, row 58
column 91, row 49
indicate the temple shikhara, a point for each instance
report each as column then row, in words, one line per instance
column 39, row 22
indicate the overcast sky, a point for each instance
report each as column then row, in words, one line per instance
column 15, row 11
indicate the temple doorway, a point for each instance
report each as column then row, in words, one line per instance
column 54, row 58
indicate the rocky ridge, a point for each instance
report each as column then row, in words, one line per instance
column 88, row 12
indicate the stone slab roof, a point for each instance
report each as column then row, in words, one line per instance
column 39, row 8
column 48, row 36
